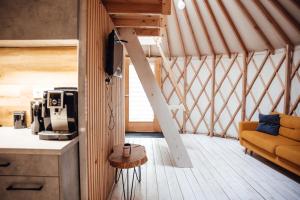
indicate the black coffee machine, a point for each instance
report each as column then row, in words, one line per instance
column 59, row 114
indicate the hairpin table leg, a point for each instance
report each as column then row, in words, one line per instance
column 127, row 186
column 117, row 176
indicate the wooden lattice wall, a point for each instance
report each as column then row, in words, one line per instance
column 233, row 88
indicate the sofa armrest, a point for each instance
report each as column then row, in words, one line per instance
column 247, row 126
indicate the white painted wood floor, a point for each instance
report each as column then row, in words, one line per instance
column 221, row 171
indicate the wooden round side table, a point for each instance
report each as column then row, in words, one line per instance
column 137, row 158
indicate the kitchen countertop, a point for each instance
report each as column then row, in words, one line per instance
column 22, row 141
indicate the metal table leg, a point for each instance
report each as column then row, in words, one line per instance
column 117, row 177
column 126, row 194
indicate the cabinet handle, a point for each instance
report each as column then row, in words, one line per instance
column 25, row 186
column 4, row 164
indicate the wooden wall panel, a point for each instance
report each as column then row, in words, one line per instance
column 96, row 138
column 23, row 70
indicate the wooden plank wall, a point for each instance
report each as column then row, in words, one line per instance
column 255, row 84
column 97, row 140
column 23, row 70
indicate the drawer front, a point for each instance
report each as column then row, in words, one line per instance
column 28, row 165
column 29, row 188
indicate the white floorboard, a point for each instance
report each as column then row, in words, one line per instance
column 221, row 171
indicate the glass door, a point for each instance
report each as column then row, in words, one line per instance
column 139, row 113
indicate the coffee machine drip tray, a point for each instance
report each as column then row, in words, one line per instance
column 54, row 135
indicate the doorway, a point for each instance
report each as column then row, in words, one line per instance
column 139, row 116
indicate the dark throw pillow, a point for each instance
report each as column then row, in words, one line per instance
column 269, row 124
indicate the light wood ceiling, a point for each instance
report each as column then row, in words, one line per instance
column 146, row 16
column 207, row 27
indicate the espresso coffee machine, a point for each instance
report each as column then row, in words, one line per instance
column 60, row 114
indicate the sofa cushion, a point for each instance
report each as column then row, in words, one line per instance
column 290, row 127
column 265, row 141
column 268, row 124
column 289, row 153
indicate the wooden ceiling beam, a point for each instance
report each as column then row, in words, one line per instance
column 201, row 19
column 178, row 29
column 187, row 19
column 223, row 40
column 164, row 8
column 276, row 26
column 229, row 20
column 142, row 22
column 147, row 31
column 286, row 14
column 255, row 25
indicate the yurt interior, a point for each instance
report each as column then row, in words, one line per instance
column 149, row 99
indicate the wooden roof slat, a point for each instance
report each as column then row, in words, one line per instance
column 229, row 20
column 178, row 28
column 211, row 13
column 276, row 26
column 187, row 18
column 200, row 17
column 255, row 25
column 286, row 14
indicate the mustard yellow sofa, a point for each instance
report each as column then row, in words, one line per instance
column 283, row 149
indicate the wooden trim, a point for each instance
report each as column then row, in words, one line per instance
column 232, row 25
column 288, row 79
column 273, row 22
column 211, row 13
column 255, row 25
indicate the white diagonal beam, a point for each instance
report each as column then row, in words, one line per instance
column 155, row 97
